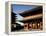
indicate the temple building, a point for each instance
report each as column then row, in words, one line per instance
column 32, row 20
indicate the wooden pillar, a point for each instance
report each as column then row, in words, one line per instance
column 25, row 26
column 34, row 26
column 41, row 25
column 30, row 26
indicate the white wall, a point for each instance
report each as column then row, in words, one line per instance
column 2, row 18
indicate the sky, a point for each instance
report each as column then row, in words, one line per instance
column 21, row 8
